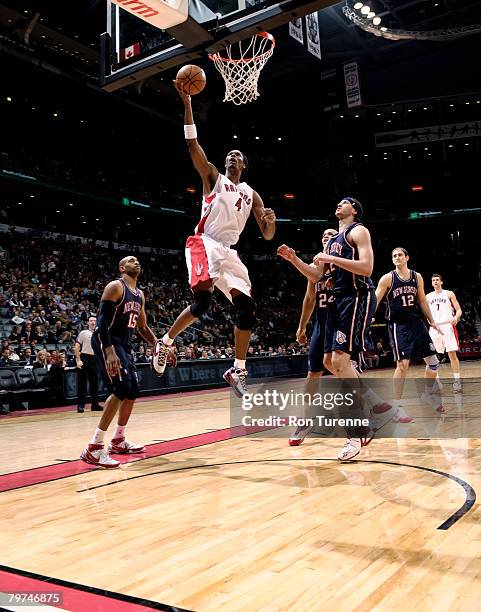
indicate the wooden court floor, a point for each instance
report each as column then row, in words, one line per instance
column 211, row 520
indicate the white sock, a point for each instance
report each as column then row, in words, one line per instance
column 457, row 375
column 239, row 364
column 98, row 437
column 168, row 340
column 119, row 431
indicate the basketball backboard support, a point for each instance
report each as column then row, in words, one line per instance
column 132, row 50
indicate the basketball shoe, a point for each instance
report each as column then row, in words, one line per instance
column 120, row 446
column 237, row 379
column 159, row 358
column 95, row 455
column 299, row 435
column 351, row 449
column 434, row 400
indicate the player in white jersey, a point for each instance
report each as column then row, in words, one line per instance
column 211, row 262
column 446, row 313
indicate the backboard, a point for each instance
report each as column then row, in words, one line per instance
column 132, row 50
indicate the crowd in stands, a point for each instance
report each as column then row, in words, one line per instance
column 49, row 288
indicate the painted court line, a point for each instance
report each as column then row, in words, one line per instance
column 74, row 596
column 49, row 473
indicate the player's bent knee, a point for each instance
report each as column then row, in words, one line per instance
column 432, row 363
column 245, row 311
column 202, row 302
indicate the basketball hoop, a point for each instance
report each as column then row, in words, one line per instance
column 241, row 68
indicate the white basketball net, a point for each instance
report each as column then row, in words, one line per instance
column 240, row 68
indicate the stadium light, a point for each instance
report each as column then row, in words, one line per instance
column 362, row 15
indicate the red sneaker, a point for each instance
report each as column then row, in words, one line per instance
column 120, row 446
column 95, row 455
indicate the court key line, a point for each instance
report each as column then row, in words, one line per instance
column 449, row 522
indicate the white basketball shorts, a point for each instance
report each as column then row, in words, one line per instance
column 208, row 259
column 447, row 341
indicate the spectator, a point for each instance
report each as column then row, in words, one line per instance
column 14, row 334
column 5, row 358
column 41, row 360
column 28, row 357
column 141, row 357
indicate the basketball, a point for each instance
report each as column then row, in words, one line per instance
column 192, row 79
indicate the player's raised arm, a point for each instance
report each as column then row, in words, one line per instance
column 312, row 273
column 383, row 287
column 361, row 239
column 207, row 171
column 458, row 312
column 265, row 217
column 423, row 304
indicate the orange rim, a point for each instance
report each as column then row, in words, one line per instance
column 270, row 37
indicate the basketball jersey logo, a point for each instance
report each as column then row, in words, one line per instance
column 340, row 337
column 198, row 269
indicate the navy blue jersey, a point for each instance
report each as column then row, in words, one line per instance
column 346, row 283
column 323, row 297
column 126, row 314
column 402, row 298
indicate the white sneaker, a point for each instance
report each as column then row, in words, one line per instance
column 402, row 416
column 351, row 449
column 159, row 358
column 299, row 435
column 433, row 400
column 237, row 379
column 95, row 455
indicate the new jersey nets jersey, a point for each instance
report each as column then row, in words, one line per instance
column 225, row 211
column 323, row 297
column 346, row 283
column 126, row 314
column 441, row 306
column 402, row 298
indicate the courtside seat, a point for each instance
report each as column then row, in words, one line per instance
column 25, row 378
column 39, row 374
column 8, row 381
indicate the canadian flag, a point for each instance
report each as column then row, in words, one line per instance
column 129, row 52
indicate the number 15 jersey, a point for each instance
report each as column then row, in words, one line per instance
column 402, row 298
column 225, row 211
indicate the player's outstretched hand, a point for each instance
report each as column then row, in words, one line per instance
column 185, row 97
column 269, row 216
column 321, row 258
column 301, row 336
column 286, row 252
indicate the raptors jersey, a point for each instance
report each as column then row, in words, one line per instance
column 225, row 211
column 441, row 307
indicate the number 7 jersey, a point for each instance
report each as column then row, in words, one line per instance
column 402, row 298
column 225, row 211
